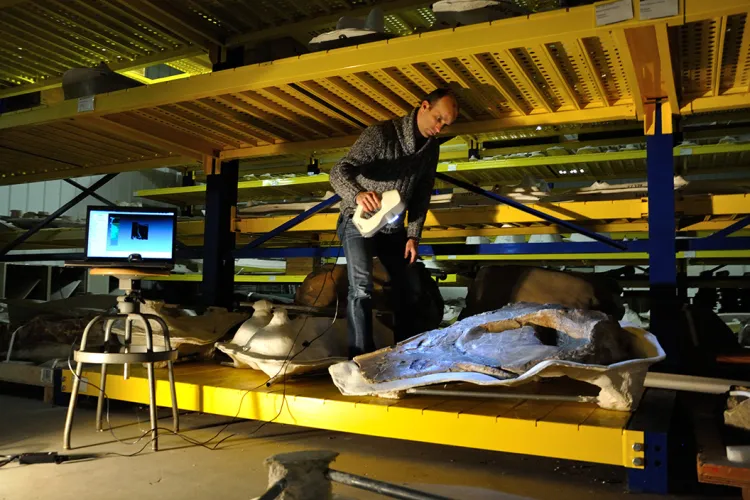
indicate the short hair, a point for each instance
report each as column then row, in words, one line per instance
column 437, row 94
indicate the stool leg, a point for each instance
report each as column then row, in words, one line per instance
column 151, row 385
column 128, row 340
column 76, row 386
column 170, row 370
column 103, row 380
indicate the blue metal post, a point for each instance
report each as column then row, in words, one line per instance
column 661, row 235
column 654, row 418
column 218, row 238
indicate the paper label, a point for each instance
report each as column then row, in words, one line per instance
column 46, row 376
column 654, row 9
column 452, row 167
column 690, row 254
column 686, row 151
column 272, row 278
column 85, row 104
column 452, row 257
column 84, row 386
column 614, row 12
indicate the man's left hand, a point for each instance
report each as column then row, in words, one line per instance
column 412, row 250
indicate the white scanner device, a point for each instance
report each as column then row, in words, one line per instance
column 391, row 207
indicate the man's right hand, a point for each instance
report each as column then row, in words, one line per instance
column 368, row 200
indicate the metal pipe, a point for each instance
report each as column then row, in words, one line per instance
column 520, row 206
column 126, row 349
column 103, row 378
column 57, row 213
column 497, row 395
column 385, row 489
column 151, row 381
column 170, row 370
column 690, row 383
column 275, row 490
column 288, row 224
column 12, row 341
column 77, row 383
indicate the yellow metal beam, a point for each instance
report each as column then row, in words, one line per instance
column 233, row 120
column 244, row 188
column 648, row 64
column 483, row 68
column 234, row 101
column 727, row 102
column 43, row 173
column 159, row 135
column 589, row 115
column 183, row 119
column 265, row 105
column 667, row 74
column 323, row 90
column 290, row 148
column 306, row 107
column 438, row 45
column 630, row 70
column 578, row 431
column 238, row 278
column 501, row 214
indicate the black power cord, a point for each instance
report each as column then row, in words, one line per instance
column 205, row 444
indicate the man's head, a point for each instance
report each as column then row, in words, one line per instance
column 438, row 110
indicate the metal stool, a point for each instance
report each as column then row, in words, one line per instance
column 128, row 307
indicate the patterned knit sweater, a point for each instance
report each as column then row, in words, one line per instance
column 384, row 158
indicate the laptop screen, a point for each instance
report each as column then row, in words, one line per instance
column 121, row 233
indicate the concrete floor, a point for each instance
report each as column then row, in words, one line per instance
column 236, row 470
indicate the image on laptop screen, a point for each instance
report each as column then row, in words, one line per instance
column 118, row 233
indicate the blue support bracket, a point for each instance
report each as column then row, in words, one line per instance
column 654, row 418
column 740, row 224
column 244, row 252
column 520, row 206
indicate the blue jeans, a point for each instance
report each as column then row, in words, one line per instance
column 359, row 251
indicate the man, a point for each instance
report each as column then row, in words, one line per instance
column 398, row 154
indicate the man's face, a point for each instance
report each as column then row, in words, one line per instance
column 432, row 119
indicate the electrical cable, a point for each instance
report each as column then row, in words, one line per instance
column 285, row 365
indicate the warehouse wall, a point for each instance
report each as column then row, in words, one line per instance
column 50, row 195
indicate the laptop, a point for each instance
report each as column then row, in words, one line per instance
column 129, row 237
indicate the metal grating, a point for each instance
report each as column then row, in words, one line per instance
column 698, row 43
column 321, row 101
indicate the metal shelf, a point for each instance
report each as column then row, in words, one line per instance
column 545, row 69
column 582, row 166
column 701, row 213
column 277, row 187
column 576, row 431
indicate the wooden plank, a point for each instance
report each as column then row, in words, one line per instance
column 20, row 373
